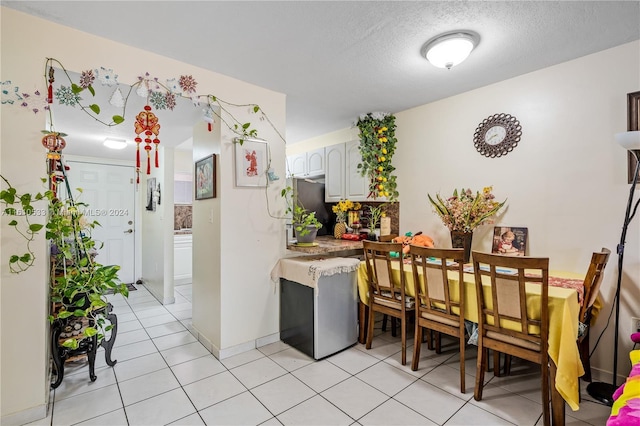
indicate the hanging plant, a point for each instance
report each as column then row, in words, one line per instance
column 377, row 146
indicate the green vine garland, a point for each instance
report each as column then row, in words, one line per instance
column 377, row 146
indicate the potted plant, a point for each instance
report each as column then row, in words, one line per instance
column 78, row 283
column 304, row 222
column 375, row 213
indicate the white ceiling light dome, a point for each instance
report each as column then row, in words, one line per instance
column 449, row 49
column 115, row 143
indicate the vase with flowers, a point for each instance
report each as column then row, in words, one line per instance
column 463, row 212
column 342, row 209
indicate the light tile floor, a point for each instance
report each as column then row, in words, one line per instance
column 165, row 376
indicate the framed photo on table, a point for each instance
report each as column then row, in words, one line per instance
column 205, row 177
column 509, row 241
column 252, row 163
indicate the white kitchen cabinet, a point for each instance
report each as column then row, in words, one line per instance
column 334, row 181
column 307, row 164
column 342, row 176
column 182, row 258
column 356, row 187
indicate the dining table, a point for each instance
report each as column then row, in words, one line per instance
column 564, row 307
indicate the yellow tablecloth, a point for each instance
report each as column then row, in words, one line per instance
column 563, row 322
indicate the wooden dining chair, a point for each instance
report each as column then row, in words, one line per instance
column 388, row 239
column 504, row 324
column 386, row 289
column 437, row 308
column 592, row 282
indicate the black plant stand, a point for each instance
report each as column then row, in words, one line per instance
column 88, row 346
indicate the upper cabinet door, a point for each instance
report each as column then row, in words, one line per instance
column 297, row 165
column 356, row 184
column 315, row 162
column 334, row 173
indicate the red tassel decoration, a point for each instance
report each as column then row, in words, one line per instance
column 157, row 156
column 148, row 164
column 209, row 126
column 50, row 88
column 138, row 141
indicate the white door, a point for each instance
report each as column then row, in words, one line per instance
column 109, row 191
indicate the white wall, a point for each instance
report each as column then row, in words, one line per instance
column 157, row 228
column 183, row 161
column 566, row 180
column 26, row 42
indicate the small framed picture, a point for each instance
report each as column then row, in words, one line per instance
column 205, row 177
column 151, row 192
column 509, row 241
column 252, row 163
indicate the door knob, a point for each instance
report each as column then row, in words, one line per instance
column 128, row 231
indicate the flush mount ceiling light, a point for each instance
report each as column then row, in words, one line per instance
column 115, row 143
column 449, row 49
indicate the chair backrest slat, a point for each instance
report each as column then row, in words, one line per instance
column 431, row 268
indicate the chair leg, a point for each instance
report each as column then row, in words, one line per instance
column 429, row 334
column 438, row 342
column 480, row 367
column 546, row 397
column 362, row 322
column 370, row 330
column 583, row 347
column 403, row 334
column 507, row 364
column 394, row 332
column 462, row 373
column 417, row 343
column 384, row 322
column 496, row 363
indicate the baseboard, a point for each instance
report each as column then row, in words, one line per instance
column 237, row 349
column 26, row 416
column 267, row 340
column 182, row 281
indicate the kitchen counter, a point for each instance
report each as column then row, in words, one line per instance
column 327, row 244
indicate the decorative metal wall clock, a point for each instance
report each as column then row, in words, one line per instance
column 497, row 135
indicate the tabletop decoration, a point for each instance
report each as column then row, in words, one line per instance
column 377, row 146
column 463, row 212
column 341, row 209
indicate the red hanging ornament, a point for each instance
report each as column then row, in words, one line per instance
column 54, row 144
column 50, row 88
column 147, row 122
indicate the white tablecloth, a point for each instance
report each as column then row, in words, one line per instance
column 307, row 270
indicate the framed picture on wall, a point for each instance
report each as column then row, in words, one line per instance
column 509, row 241
column 151, row 199
column 633, row 123
column 205, row 177
column 252, row 163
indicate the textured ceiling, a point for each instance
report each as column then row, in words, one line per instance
column 336, row 60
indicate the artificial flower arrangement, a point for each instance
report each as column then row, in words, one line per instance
column 377, row 146
column 463, row 211
column 343, row 207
